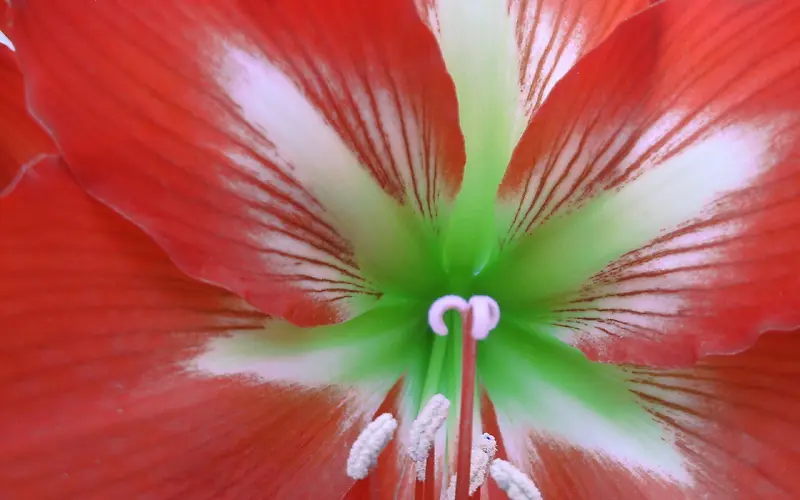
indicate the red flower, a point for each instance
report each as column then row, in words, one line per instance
column 223, row 271
column 22, row 142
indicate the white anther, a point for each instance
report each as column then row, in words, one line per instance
column 488, row 444
column 483, row 453
column 369, row 445
column 485, row 315
column 441, row 306
column 424, row 429
column 514, row 482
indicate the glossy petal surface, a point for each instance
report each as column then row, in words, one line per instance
column 735, row 418
column 653, row 206
column 394, row 476
column 4, row 17
column 530, row 44
column 278, row 149
column 97, row 395
column 535, row 382
column 22, row 140
column 505, row 57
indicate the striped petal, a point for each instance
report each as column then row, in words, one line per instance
column 735, row 419
column 653, row 206
column 290, row 151
column 393, row 478
column 527, row 46
column 22, row 140
column 539, row 385
column 505, row 58
column 98, row 396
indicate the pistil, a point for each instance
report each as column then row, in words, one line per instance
column 479, row 316
column 469, row 350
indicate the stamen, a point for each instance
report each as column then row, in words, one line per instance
column 424, row 429
column 488, row 444
column 369, row 445
column 516, row 484
column 482, row 455
column 479, row 316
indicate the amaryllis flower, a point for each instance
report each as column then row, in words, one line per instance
column 231, row 275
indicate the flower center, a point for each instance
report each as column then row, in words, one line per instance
column 479, row 315
column 474, row 463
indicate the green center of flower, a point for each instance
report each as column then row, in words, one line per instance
column 525, row 369
column 522, row 344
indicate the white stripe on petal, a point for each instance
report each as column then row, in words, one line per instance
column 479, row 45
column 299, row 135
column 506, row 56
column 673, row 193
column 637, row 443
column 591, row 409
column 685, row 185
column 283, row 353
column 667, row 194
column 254, row 355
column 478, row 42
column 544, row 32
column 291, row 132
column 5, row 41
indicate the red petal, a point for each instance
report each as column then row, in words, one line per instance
column 553, row 34
column 736, row 418
column 561, row 471
column 169, row 114
column 5, row 9
column 96, row 325
column 707, row 92
column 21, row 139
column 736, row 423
column 393, row 477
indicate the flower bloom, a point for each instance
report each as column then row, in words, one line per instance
column 571, row 225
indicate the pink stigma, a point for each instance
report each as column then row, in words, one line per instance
column 485, row 314
column 441, row 306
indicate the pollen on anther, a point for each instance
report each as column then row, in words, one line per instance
column 483, row 453
column 488, row 444
column 369, row 445
column 516, row 484
column 424, row 429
